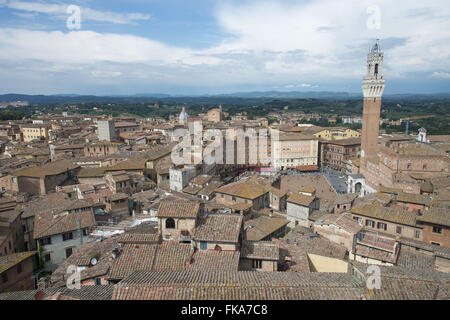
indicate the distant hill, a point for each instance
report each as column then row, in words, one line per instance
column 232, row 98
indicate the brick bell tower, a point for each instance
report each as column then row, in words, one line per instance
column 373, row 87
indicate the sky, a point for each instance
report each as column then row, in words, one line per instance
column 184, row 47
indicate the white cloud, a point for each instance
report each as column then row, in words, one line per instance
column 60, row 10
column 333, row 35
column 301, row 85
column 106, row 74
column 87, row 47
column 301, row 45
column 442, row 75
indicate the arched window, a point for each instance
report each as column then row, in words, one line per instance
column 376, row 68
column 170, row 223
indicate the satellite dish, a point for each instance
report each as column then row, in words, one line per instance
column 93, row 261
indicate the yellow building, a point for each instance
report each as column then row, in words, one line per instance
column 32, row 132
column 332, row 133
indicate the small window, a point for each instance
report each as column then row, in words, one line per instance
column 424, row 167
column 437, row 230
column 19, row 268
column 170, row 223
column 203, row 245
column 4, row 278
column 382, row 226
column 47, row 257
column 68, row 252
column 98, row 281
column 398, row 230
column 257, row 264
column 409, row 166
column 67, row 236
column 417, row 234
column 370, row 223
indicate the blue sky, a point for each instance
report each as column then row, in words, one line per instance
column 219, row 46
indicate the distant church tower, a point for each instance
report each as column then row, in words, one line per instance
column 373, row 87
column 183, row 118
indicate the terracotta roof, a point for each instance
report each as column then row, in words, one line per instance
column 239, row 278
column 375, row 253
column 279, row 193
column 63, row 293
column 159, row 151
column 69, row 146
column 413, row 198
column 219, row 227
column 316, row 215
column 130, row 164
column 301, row 199
column 201, row 179
column 324, row 191
column 239, row 206
column 307, row 189
column 137, row 238
column 172, row 256
column 411, row 267
column 262, row 226
column 90, row 172
column 344, row 142
column 240, row 285
column 307, row 168
column 343, row 221
column 47, row 202
column 295, row 137
column 436, row 215
column 82, row 256
column 46, row 225
column 133, row 257
column 214, row 260
column 9, row 261
column 210, row 188
column 304, row 238
column 265, row 250
column 53, row 168
column 178, row 209
column 396, row 215
column 125, row 124
column 169, row 255
column 119, row 176
column 192, row 190
column 345, row 198
column 440, row 182
column 117, row 196
column 248, row 189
